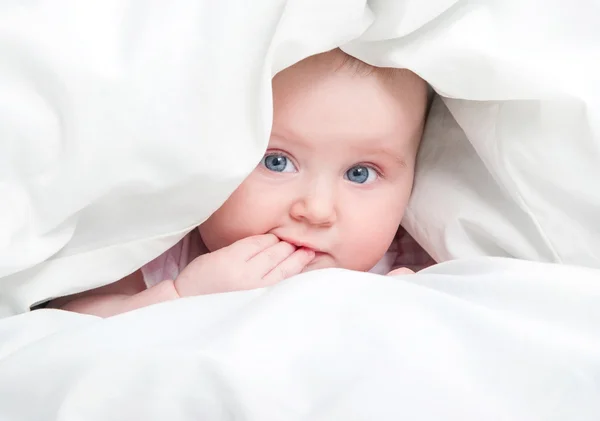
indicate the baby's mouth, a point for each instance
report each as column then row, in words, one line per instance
column 319, row 253
column 303, row 245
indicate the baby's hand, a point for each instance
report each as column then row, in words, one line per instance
column 401, row 271
column 252, row 262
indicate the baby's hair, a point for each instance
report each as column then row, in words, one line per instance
column 339, row 60
column 386, row 73
column 364, row 69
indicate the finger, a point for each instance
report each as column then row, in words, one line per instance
column 262, row 263
column 291, row 266
column 249, row 247
column 401, row 271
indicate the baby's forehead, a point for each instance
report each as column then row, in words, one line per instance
column 368, row 145
column 325, row 98
column 405, row 85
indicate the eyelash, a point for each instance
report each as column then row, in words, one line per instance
column 282, row 153
column 370, row 166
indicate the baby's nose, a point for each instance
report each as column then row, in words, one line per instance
column 317, row 207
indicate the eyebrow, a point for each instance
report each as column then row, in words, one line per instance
column 387, row 153
column 400, row 161
column 368, row 151
column 286, row 138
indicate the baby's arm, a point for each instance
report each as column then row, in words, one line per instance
column 252, row 262
column 128, row 294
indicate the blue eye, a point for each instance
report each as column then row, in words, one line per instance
column 278, row 163
column 361, row 174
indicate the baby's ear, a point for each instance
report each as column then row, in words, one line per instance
column 400, row 271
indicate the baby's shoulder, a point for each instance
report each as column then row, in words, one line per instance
column 169, row 264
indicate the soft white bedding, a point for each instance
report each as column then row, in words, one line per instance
column 482, row 339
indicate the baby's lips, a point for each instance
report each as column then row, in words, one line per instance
column 300, row 245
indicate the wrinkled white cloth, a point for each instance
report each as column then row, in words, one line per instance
column 484, row 339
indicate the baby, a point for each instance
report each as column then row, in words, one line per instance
column 330, row 191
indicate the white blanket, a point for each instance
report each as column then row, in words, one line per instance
column 474, row 340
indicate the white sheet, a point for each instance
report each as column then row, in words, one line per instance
column 485, row 339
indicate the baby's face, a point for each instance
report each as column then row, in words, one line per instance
column 339, row 167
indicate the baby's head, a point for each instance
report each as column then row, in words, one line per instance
column 339, row 167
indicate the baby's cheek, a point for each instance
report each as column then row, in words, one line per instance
column 223, row 228
column 366, row 243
